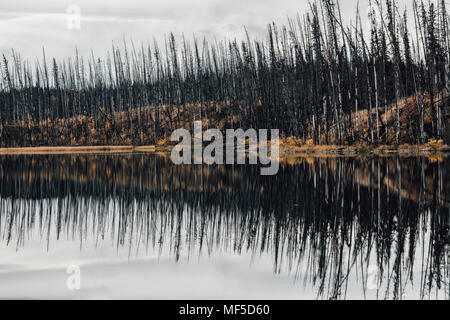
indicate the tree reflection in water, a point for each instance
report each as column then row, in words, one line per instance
column 326, row 220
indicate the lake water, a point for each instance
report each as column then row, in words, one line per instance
column 137, row 226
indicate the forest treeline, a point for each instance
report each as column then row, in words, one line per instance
column 315, row 78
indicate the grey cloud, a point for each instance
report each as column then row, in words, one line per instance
column 9, row 16
column 27, row 25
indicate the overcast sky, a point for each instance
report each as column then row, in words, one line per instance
column 27, row 25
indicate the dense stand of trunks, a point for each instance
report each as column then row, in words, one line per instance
column 314, row 78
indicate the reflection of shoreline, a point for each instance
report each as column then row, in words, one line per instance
column 287, row 150
column 107, row 169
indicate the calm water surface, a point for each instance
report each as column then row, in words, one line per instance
column 139, row 227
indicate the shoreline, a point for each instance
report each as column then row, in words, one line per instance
column 75, row 150
column 285, row 150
